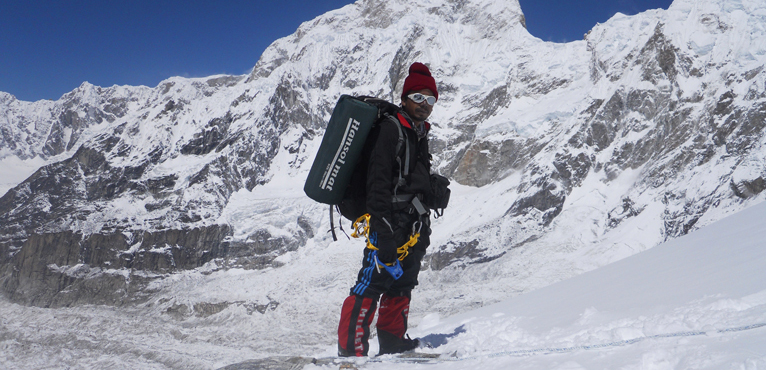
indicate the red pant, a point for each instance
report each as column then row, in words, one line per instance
column 358, row 309
column 356, row 317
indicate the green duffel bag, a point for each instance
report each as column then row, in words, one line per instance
column 342, row 144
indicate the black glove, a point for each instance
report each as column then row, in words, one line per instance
column 386, row 249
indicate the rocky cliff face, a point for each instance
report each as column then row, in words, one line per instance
column 655, row 119
column 680, row 113
column 117, row 186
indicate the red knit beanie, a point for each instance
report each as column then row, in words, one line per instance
column 419, row 79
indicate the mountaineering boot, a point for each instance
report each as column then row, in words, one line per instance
column 390, row 344
column 356, row 316
column 342, row 352
column 392, row 324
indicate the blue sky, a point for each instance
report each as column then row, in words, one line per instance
column 49, row 47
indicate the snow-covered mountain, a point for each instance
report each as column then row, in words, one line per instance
column 565, row 158
column 695, row 302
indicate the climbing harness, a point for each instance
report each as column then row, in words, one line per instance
column 361, row 227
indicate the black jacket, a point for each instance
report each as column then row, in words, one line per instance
column 391, row 219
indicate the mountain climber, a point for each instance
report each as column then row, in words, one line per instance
column 395, row 216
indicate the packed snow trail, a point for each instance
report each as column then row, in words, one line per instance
column 435, row 358
column 694, row 302
column 551, row 350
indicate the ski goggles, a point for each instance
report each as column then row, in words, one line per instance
column 419, row 98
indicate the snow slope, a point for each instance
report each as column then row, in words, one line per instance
column 696, row 302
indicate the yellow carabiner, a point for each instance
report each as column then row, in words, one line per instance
column 361, row 226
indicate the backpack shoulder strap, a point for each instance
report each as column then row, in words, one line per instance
column 404, row 169
column 384, row 106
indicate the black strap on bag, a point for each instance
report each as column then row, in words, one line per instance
column 332, row 225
